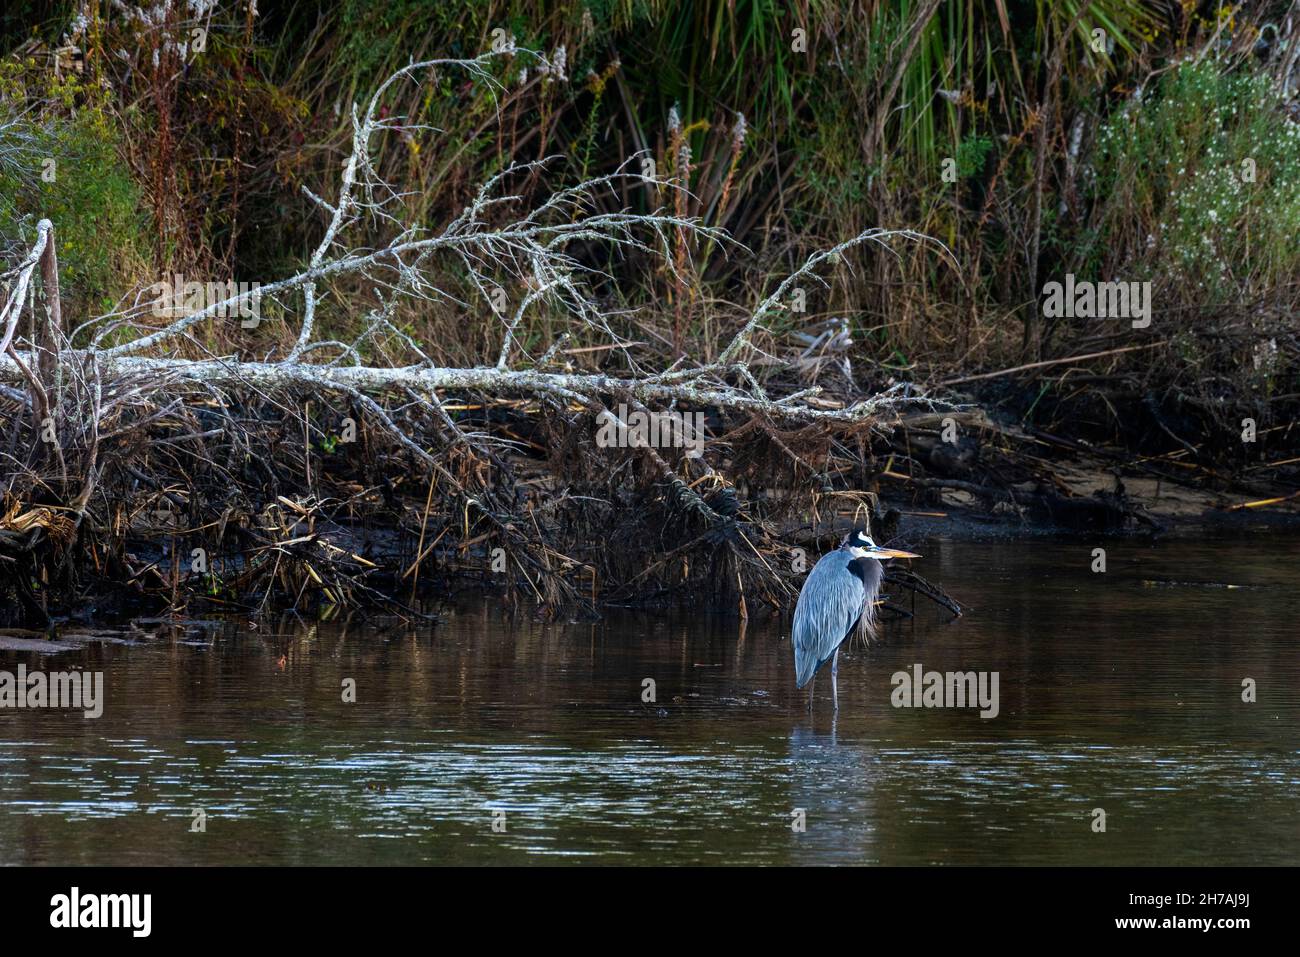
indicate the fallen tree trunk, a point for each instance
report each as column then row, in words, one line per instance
column 232, row 373
column 112, row 422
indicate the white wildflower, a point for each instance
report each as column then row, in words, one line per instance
column 738, row 132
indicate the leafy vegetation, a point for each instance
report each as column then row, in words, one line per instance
column 66, row 165
column 1202, row 185
column 1103, row 137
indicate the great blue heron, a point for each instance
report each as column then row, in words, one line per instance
column 839, row 595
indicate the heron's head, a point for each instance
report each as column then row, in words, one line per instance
column 859, row 543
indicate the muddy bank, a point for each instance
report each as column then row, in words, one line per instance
column 994, row 479
column 245, row 509
column 1181, row 513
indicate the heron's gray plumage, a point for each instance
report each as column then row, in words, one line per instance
column 839, row 591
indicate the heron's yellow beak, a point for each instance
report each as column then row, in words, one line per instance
column 891, row 553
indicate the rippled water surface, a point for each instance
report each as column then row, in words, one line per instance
column 1120, row 691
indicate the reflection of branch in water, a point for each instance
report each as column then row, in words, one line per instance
column 919, row 586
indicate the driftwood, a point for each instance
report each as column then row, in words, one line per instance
column 111, row 420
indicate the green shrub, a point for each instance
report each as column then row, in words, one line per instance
column 62, row 164
column 1201, row 181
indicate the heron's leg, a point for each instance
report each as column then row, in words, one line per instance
column 810, row 690
column 835, row 685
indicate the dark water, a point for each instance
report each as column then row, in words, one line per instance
column 1114, row 694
